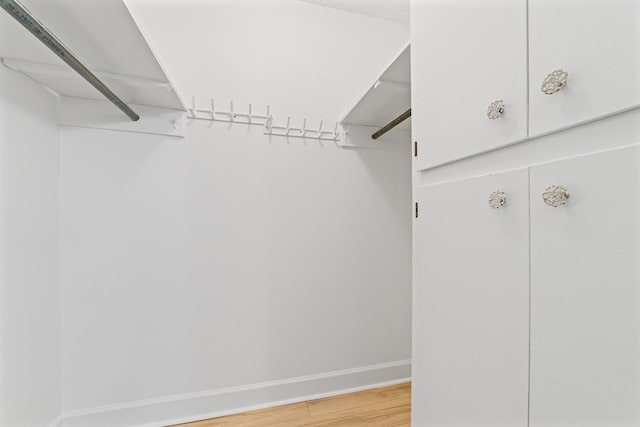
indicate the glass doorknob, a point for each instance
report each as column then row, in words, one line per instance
column 554, row 82
column 495, row 110
column 497, row 199
column 555, row 195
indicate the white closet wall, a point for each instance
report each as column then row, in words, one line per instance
column 196, row 270
column 193, row 266
column 29, row 285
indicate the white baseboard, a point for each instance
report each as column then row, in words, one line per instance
column 190, row 407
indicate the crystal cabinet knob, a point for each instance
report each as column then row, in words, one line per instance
column 495, row 110
column 554, row 82
column 555, row 195
column 497, row 199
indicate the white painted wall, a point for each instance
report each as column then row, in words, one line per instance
column 29, row 286
column 230, row 259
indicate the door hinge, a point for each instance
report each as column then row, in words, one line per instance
column 415, row 148
column 416, row 209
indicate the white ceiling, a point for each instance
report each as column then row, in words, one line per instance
column 393, row 10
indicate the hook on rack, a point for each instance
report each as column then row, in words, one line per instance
column 268, row 124
column 267, row 121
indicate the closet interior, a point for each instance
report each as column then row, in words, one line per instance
column 208, row 208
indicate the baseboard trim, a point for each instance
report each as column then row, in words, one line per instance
column 188, row 407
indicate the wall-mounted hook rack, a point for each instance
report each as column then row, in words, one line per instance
column 266, row 120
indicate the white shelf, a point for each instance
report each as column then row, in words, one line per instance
column 387, row 97
column 105, row 38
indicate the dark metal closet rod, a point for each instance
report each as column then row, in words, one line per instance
column 35, row 27
column 395, row 122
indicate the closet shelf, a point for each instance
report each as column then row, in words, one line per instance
column 104, row 37
column 387, row 97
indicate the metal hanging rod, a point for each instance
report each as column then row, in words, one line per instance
column 35, row 27
column 395, row 122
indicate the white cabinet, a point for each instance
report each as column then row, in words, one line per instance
column 597, row 43
column 528, row 314
column 585, row 293
column 575, row 269
column 471, row 304
column 464, row 56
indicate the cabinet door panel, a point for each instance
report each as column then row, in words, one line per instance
column 464, row 56
column 470, row 304
column 598, row 43
column 585, row 293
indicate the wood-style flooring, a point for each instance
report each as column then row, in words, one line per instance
column 388, row 407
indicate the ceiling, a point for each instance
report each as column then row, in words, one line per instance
column 392, row 10
column 102, row 34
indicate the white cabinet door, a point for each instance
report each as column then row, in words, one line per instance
column 585, row 293
column 598, row 43
column 471, row 304
column 465, row 55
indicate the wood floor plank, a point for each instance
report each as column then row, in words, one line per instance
column 270, row 416
column 354, row 400
column 382, row 407
column 385, row 413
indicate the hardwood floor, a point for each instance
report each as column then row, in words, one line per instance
column 388, row 407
